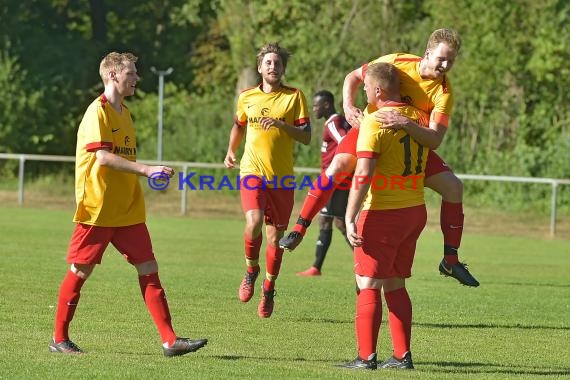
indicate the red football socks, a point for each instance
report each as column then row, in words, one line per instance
column 451, row 220
column 69, row 294
column 252, row 247
column 400, row 320
column 367, row 321
column 156, row 303
column 274, row 256
column 318, row 196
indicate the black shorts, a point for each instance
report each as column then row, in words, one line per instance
column 337, row 204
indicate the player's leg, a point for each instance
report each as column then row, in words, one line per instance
column 338, row 204
column 368, row 318
column 279, row 208
column 341, row 167
column 336, row 176
column 134, row 243
column 368, row 273
column 254, row 201
column 322, row 246
column 442, row 180
column 341, row 226
column 413, row 221
column 85, row 251
column 400, row 323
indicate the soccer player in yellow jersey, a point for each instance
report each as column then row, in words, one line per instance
column 388, row 185
column 110, row 207
column 425, row 85
column 274, row 116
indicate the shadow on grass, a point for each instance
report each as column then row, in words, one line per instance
column 471, row 368
column 489, row 326
column 321, row 320
column 440, row 367
column 532, row 284
column 332, row 362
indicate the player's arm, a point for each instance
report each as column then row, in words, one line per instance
column 349, row 88
column 430, row 137
column 301, row 133
column 236, row 135
column 113, row 161
column 360, row 185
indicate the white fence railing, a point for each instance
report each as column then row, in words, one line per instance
column 22, row 158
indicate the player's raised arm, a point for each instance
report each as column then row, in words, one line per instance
column 351, row 83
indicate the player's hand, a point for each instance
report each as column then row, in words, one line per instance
column 154, row 170
column 230, row 160
column 391, row 119
column 352, row 236
column 268, row 122
column 353, row 115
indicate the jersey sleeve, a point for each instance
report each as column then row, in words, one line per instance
column 241, row 116
column 96, row 129
column 443, row 104
column 301, row 110
column 368, row 145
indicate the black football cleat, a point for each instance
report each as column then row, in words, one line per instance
column 404, row 363
column 459, row 272
column 360, row 363
column 183, row 346
column 291, row 241
column 65, row 347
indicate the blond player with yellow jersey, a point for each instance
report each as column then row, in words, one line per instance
column 110, row 207
column 274, row 116
column 392, row 217
column 104, row 196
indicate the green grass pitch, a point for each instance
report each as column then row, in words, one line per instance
column 516, row 325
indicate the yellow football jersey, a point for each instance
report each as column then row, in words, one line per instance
column 269, row 153
column 104, row 196
column 432, row 96
column 398, row 179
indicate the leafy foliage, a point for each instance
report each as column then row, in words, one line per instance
column 510, row 81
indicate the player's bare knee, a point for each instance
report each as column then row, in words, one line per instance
column 454, row 190
column 341, row 163
column 325, row 222
column 364, row 282
column 448, row 185
column 82, row 270
column 340, row 225
column 148, row 267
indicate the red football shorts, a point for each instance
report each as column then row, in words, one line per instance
column 348, row 143
column 389, row 241
column 277, row 204
column 88, row 243
column 435, row 165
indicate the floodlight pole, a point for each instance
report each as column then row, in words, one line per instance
column 161, row 74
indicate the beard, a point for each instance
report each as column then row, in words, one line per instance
column 272, row 79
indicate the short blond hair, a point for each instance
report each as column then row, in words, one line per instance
column 273, row 47
column 386, row 75
column 115, row 62
column 448, row 36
